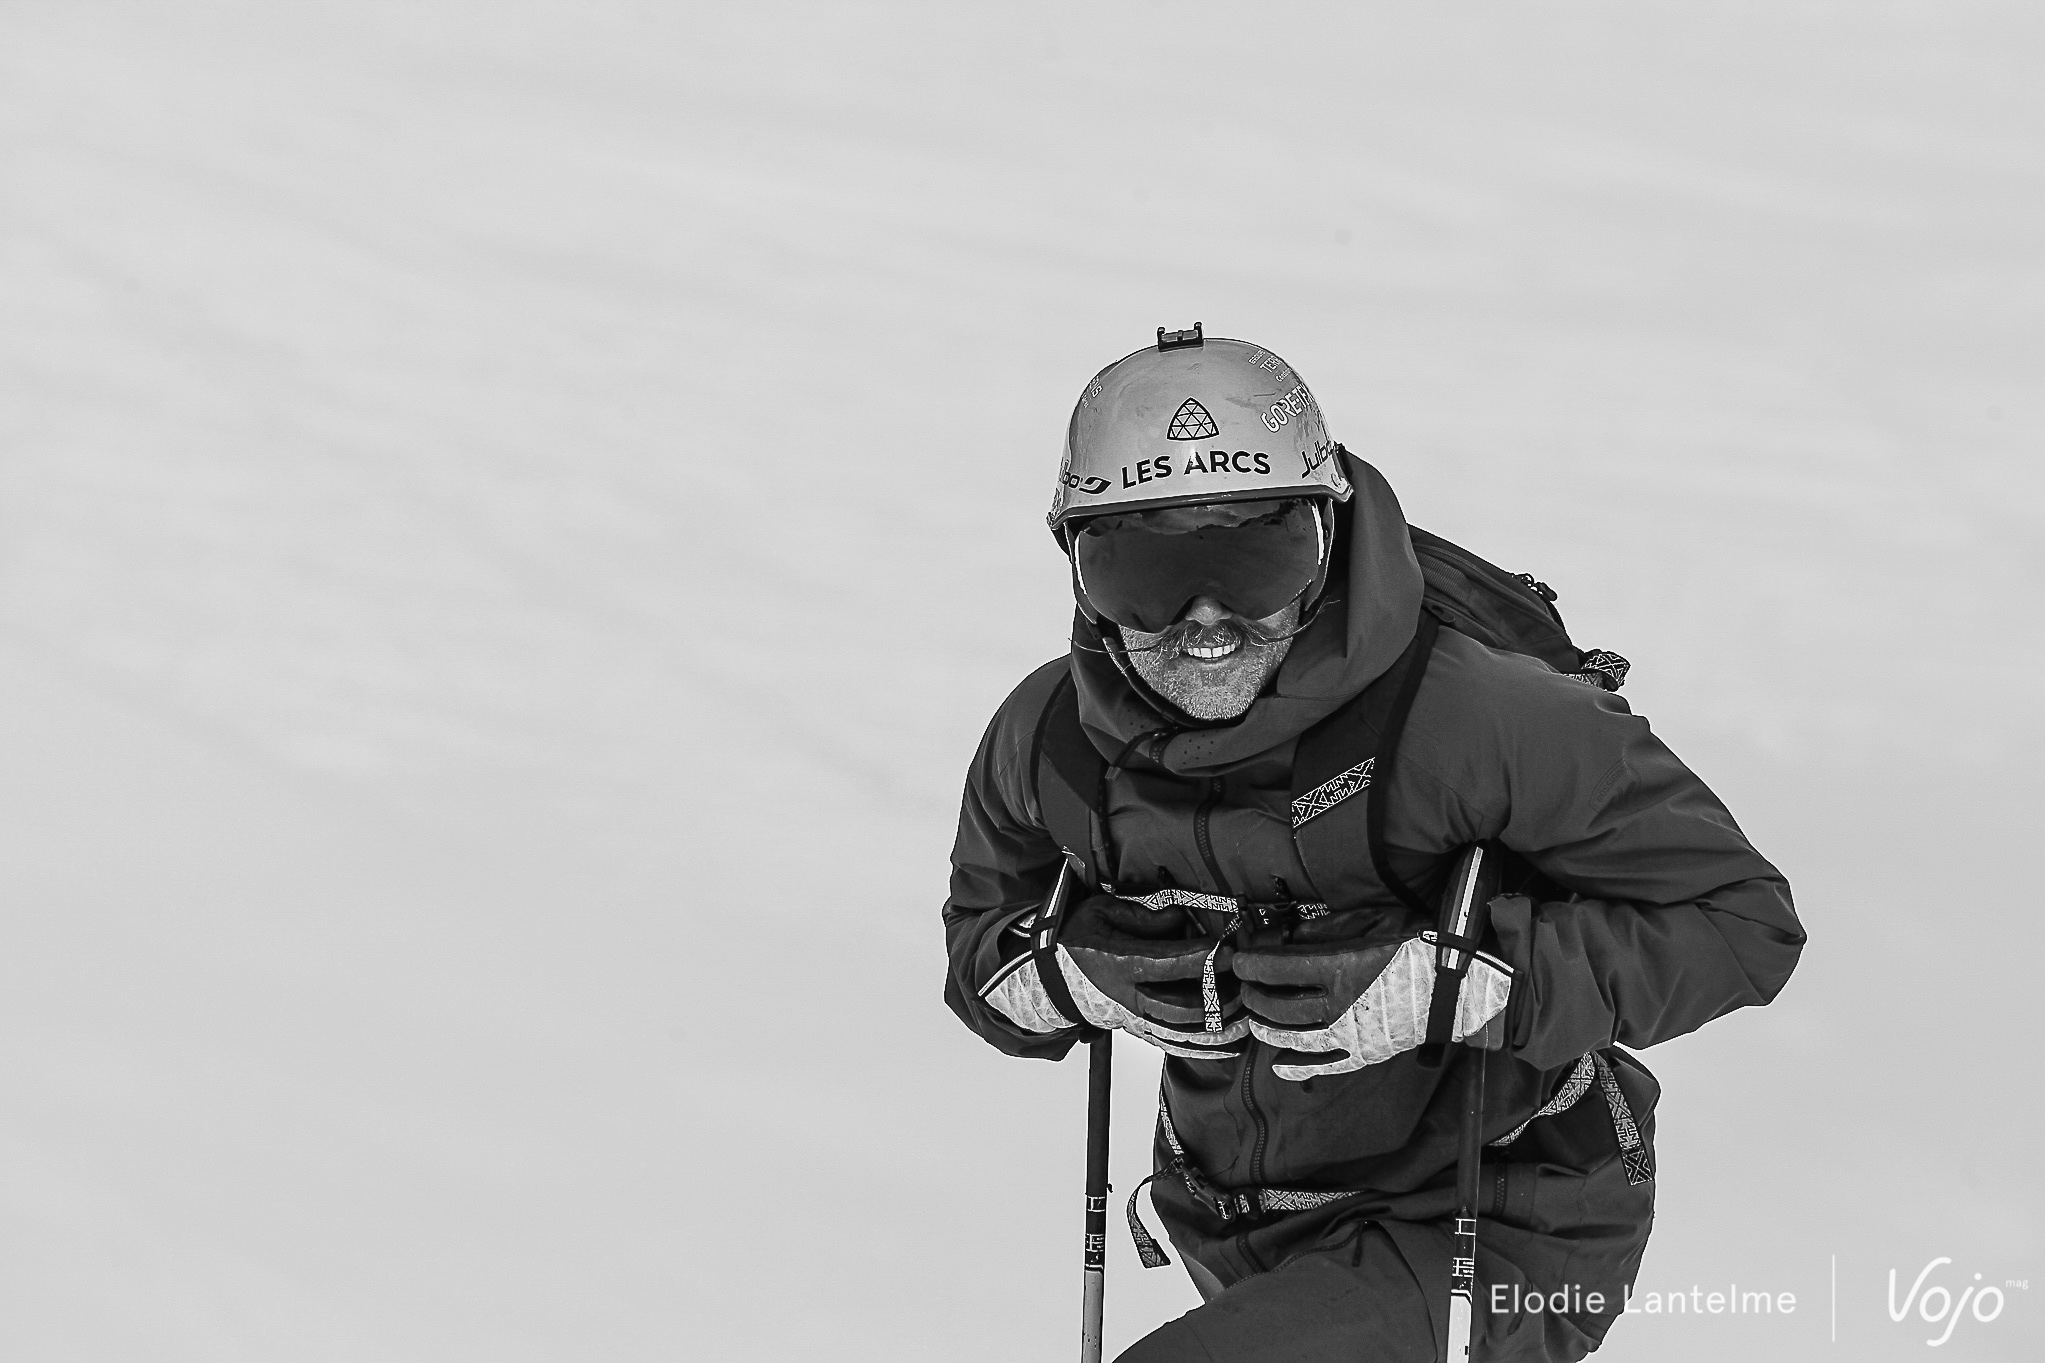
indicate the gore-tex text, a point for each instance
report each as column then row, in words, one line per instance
column 1293, row 404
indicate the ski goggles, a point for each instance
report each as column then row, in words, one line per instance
column 1143, row 569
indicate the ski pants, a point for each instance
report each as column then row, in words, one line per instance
column 1373, row 1299
column 1371, row 1285
column 1322, row 1305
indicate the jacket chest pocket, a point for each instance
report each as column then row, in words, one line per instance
column 1218, row 835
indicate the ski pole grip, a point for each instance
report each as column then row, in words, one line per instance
column 1455, row 940
column 1044, row 948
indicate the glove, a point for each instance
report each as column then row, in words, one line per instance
column 1153, row 972
column 1343, row 993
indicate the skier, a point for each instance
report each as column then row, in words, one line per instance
column 1260, row 758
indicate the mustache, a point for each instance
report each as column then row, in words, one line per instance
column 1185, row 633
column 1222, row 633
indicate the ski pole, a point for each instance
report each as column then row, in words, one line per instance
column 1100, row 1059
column 1463, row 1264
column 1465, row 917
column 1100, row 1062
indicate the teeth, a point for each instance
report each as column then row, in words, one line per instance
column 1210, row 652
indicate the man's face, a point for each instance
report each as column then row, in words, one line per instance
column 1212, row 663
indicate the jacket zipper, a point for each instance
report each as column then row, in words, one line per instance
column 1206, row 845
column 1256, row 1113
column 1221, row 886
column 1250, row 1058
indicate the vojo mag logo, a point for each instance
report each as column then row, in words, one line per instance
column 1971, row 1303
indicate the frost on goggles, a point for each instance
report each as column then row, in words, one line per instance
column 1144, row 569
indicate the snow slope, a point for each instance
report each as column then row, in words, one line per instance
column 512, row 518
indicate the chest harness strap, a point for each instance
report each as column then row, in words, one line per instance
column 1230, row 913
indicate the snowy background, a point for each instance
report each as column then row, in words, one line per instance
column 513, row 517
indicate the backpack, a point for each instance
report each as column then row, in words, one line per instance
column 1349, row 751
column 1510, row 612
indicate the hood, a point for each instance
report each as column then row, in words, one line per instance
column 1368, row 619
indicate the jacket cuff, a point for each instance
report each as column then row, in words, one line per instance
column 1557, row 1010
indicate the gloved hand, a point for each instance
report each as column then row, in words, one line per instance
column 1345, row 992
column 1156, row 973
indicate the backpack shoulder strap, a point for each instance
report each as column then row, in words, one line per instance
column 1067, row 771
column 1395, row 724
column 1351, row 752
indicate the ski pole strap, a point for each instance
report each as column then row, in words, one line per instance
column 1449, row 972
column 1044, row 949
column 1465, row 913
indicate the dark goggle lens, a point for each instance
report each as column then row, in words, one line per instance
column 1143, row 571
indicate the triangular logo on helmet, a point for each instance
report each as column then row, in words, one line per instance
column 1191, row 422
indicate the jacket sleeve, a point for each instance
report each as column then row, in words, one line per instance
column 1003, row 866
column 1673, row 918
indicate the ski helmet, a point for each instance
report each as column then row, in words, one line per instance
column 1194, row 419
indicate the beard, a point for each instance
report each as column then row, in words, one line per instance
column 1213, row 671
